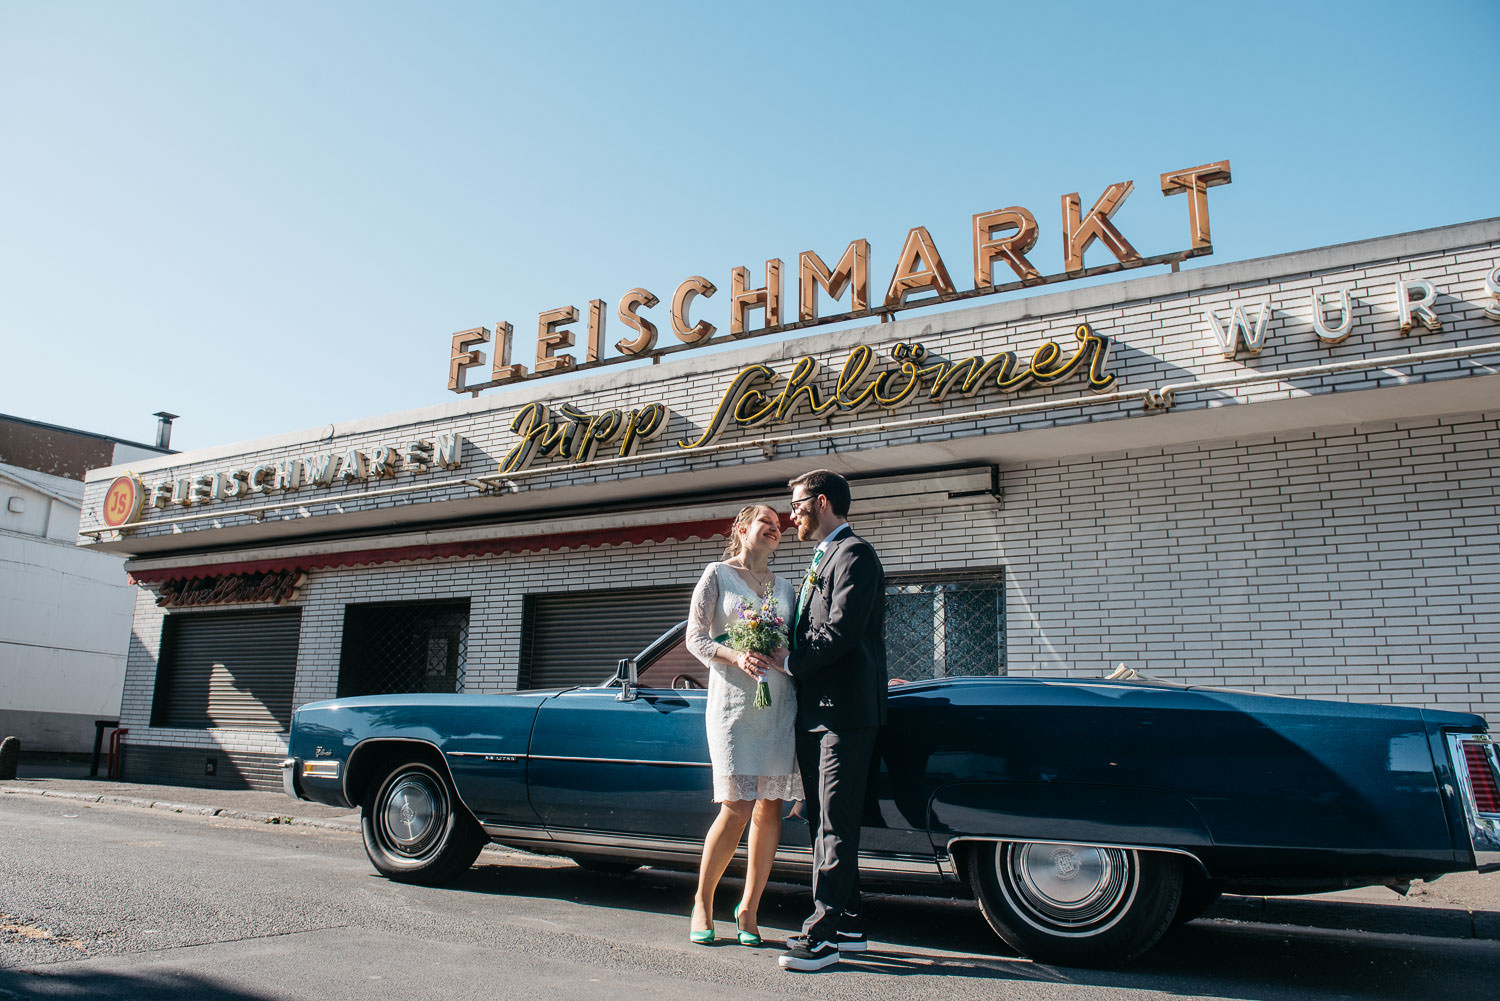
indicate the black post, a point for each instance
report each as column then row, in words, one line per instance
column 100, row 725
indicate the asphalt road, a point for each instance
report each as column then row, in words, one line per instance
column 100, row 901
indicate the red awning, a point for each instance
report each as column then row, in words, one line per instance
column 632, row 535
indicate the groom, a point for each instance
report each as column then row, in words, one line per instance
column 838, row 663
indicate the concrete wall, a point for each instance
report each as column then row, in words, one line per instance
column 64, row 612
column 27, row 510
column 64, row 629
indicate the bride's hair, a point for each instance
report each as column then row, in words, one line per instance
column 736, row 545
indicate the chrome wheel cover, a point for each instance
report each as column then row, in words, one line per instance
column 412, row 814
column 1070, row 890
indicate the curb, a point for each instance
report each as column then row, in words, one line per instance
column 194, row 809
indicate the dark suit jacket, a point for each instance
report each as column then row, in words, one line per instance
column 838, row 661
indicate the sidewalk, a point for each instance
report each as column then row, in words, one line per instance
column 72, row 781
column 1457, row 906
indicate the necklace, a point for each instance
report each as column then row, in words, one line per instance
column 761, row 578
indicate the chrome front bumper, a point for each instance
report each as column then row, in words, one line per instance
column 290, row 769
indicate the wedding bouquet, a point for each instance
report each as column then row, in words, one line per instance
column 759, row 628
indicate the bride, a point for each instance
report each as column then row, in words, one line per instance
column 753, row 750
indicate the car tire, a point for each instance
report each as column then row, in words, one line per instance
column 1197, row 898
column 1075, row 905
column 414, row 829
column 606, row 867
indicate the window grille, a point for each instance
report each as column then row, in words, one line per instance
column 404, row 647
column 944, row 626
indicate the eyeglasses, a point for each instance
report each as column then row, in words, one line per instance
column 799, row 501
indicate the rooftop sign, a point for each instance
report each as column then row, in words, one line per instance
column 1000, row 237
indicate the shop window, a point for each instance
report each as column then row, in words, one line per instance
column 227, row 669
column 944, row 625
column 402, row 647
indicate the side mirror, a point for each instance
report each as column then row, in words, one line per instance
column 625, row 676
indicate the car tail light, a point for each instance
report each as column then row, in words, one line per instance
column 1480, row 762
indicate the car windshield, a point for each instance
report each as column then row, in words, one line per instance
column 667, row 660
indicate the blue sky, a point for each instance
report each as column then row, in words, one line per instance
column 272, row 216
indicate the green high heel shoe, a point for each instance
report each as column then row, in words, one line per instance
column 703, row 937
column 747, row 938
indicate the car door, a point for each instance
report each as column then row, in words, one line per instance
column 635, row 768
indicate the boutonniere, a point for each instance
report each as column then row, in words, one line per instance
column 814, row 580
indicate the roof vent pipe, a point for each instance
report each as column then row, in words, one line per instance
column 164, row 429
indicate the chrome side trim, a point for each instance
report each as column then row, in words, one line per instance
column 503, row 832
column 508, row 757
column 562, row 842
column 907, row 865
column 620, row 761
column 646, row 691
column 992, row 839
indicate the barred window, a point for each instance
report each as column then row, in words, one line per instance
column 401, row 647
column 944, row 625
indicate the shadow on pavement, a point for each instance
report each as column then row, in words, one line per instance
column 70, row 983
column 912, row 935
column 943, row 924
column 1223, row 959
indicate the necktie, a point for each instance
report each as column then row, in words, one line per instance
column 806, row 593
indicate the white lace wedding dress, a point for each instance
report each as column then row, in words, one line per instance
column 753, row 751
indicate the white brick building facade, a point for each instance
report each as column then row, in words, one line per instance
column 1318, row 518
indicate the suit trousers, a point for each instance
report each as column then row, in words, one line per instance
column 835, row 771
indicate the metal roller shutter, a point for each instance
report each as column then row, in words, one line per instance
column 232, row 669
column 575, row 639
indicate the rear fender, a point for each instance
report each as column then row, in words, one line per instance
column 1065, row 812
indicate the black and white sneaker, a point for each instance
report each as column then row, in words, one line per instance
column 807, row 957
column 852, row 941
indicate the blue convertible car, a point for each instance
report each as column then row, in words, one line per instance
column 1085, row 817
